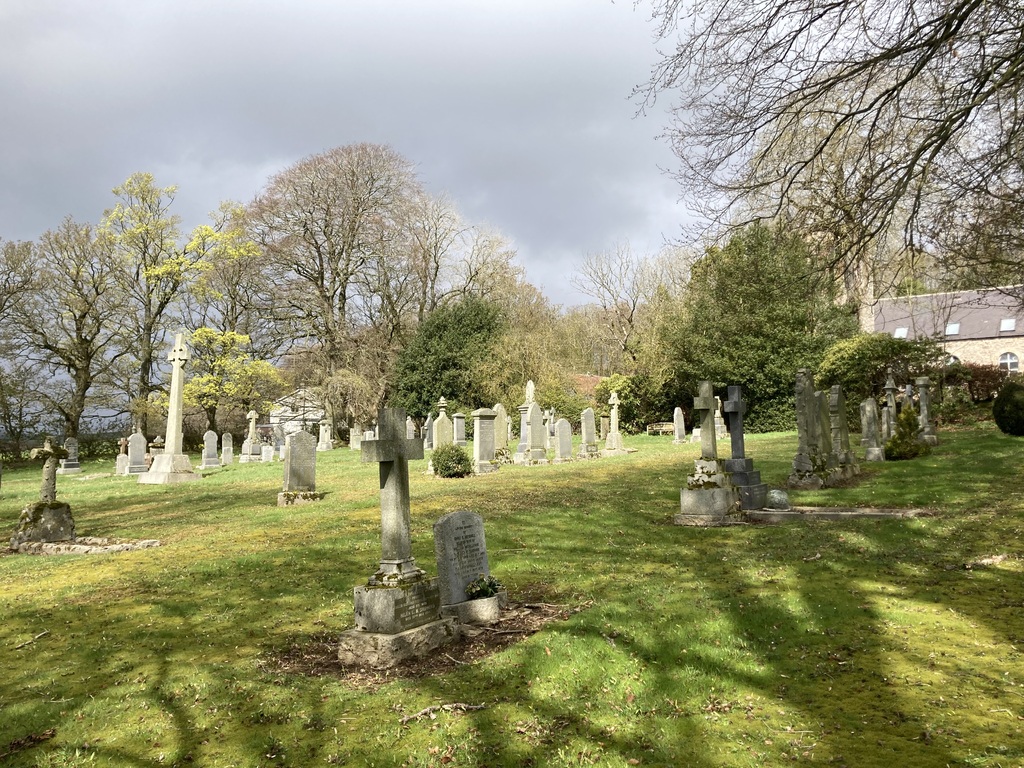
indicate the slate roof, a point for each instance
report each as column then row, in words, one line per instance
column 979, row 314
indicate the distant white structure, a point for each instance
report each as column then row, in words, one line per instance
column 298, row 411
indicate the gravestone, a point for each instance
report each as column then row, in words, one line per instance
column 871, row 437
column 924, row 420
column 537, row 452
column 70, row 465
column 886, row 422
column 846, row 461
column 121, row 464
column 136, row 454
column 678, row 427
column 563, row 441
column 46, row 520
column 483, row 441
column 398, row 612
column 549, row 427
column 210, row 458
column 588, row 435
column 325, row 443
column 410, row 427
column 613, row 442
column 266, row 453
column 428, row 433
column 461, row 553
column 355, row 437
column 709, row 495
column 227, row 449
column 890, row 390
column 459, row 429
column 251, row 444
column 299, row 484
column 747, row 480
column 605, row 421
column 279, row 449
column 810, row 465
column 721, row 430
column 173, row 466
column 444, row 432
column 501, row 426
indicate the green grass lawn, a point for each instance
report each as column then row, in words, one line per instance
column 858, row 643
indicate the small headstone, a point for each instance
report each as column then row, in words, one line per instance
column 428, row 433
column 266, row 453
column 355, row 437
column 588, row 435
column 563, row 441
column 605, row 423
column 870, row 431
column 459, row 428
column 678, row 427
column 444, row 432
column 924, row 420
column 121, row 465
column 210, row 458
column 136, row 454
column 280, row 451
column 501, row 427
column 70, row 465
column 461, row 553
column 483, row 441
column 299, row 470
column 325, row 443
column 410, row 427
column 846, row 461
column 227, row 449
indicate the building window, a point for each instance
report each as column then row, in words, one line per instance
column 1008, row 362
column 952, row 329
column 1008, row 324
column 900, row 333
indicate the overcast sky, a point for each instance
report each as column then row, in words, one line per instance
column 519, row 110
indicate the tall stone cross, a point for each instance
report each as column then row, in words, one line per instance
column 251, row 437
column 50, row 457
column 734, row 408
column 890, row 393
column 178, row 357
column 704, row 404
column 392, row 451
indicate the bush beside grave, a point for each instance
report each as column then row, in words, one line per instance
column 1008, row 409
column 904, row 444
column 451, row 461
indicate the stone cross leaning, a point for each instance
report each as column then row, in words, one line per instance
column 392, row 450
column 50, row 456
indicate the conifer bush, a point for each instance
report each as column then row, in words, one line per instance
column 451, row 461
column 904, row 443
column 1008, row 409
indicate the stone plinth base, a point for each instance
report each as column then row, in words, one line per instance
column 874, row 454
column 530, row 458
column 297, row 498
column 390, row 610
column 213, row 463
column 325, row 446
column 485, row 467
column 70, row 469
column 169, row 468
column 753, row 496
column 588, row 452
column 706, row 506
column 830, row 513
column 485, row 610
column 376, row 649
column 44, row 521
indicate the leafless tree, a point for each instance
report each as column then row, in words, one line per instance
column 920, row 98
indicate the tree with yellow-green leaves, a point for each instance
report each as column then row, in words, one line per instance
column 224, row 374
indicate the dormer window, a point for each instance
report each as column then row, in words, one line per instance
column 900, row 333
column 952, row 329
column 1007, row 324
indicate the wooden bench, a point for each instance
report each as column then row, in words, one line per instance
column 661, row 428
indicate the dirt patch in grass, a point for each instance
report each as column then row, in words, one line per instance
column 317, row 655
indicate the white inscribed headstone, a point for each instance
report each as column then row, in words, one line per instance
column 444, row 432
column 461, row 552
column 266, row 453
column 210, row 458
column 563, row 441
column 227, row 449
column 678, row 427
column 136, row 454
column 588, row 433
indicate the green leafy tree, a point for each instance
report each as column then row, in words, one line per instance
column 223, row 374
column 754, row 314
column 860, row 363
column 441, row 360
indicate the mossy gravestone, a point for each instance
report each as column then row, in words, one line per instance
column 46, row 520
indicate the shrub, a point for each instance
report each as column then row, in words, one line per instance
column 983, row 381
column 1008, row 409
column 904, row 443
column 451, row 461
column 483, row 586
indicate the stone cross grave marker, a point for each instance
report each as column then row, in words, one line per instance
column 704, row 406
column 613, row 442
column 121, row 465
column 173, row 466
column 392, row 451
column 227, row 449
column 251, row 444
column 210, row 457
column 734, row 408
column 46, row 520
column 890, row 403
column 753, row 493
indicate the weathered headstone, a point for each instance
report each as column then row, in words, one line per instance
column 410, row 427
column 173, row 466
column 605, row 422
column 721, row 430
column 266, row 453
column 613, row 442
column 355, row 437
column 678, row 427
column 588, row 435
column 709, row 494
column 459, row 429
column 537, row 452
column 746, row 479
column 70, row 465
column 461, row 553
column 809, row 464
column 844, row 457
column 444, row 432
column 46, row 520
column 210, row 458
column 501, row 425
column 871, row 437
column 483, row 441
column 299, row 470
column 227, row 449
column 251, row 444
column 428, row 433
column 563, row 441
column 924, row 419
column 326, row 442
column 136, row 454
column 397, row 613
column 890, row 389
